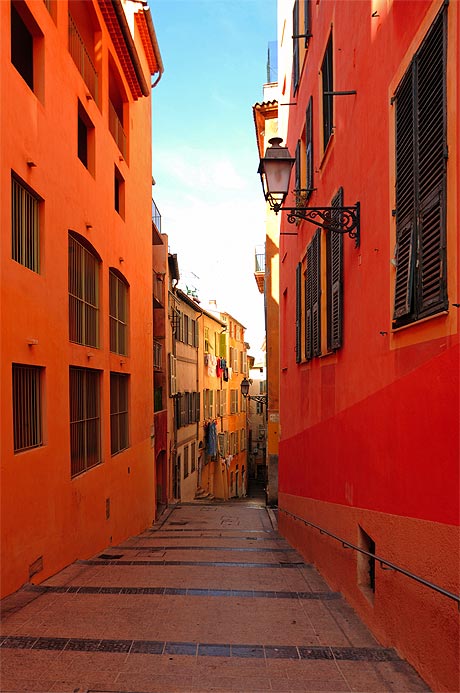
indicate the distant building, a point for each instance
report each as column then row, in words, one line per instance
column 77, row 470
column 369, row 327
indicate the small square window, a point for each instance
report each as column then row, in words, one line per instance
column 27, row 407
column 27, row 50
column 86, row 139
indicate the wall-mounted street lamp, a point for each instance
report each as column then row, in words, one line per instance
column 275, row 172
column 262, row 399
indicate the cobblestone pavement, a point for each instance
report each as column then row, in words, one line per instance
column 209, row 599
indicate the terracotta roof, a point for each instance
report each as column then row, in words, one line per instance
column 113, row 14
column 262, row 112
column 149, row 41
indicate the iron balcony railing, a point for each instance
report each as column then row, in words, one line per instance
column 260, row 259
column 384, row 564
column 116, row 128
column 156, row 216
column 82, row 60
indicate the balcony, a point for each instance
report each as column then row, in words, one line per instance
column 259, row 272
column 82, row 60
column 156, row 217
column 116, row 128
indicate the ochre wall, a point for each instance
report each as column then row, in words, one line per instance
column 45, row 513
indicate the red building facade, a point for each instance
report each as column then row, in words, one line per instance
column 369, row 447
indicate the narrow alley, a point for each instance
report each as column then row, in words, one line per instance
column 210, row 598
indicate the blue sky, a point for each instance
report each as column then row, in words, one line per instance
column 204, row 146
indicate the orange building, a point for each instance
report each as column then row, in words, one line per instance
column 77, row 467
column 369, row 448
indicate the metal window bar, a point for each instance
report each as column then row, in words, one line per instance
column 118, row 302
column 24, row 226
column 82, row 59
column 383, row 562
column 157, row 355
column 119, row 439
column 156, row 216
column 83, row 295
column 27, row 410
column 85, row 422
column 116, row 129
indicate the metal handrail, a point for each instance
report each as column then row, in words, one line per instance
column 383, row 562
column 156, row 216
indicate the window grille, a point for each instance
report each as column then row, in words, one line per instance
column 157, row 355
column 116, row 129
column 85, row 419
column 25, row 236
column 27, row 408
column 119, row 424
column 118, row 309
column 83, row 295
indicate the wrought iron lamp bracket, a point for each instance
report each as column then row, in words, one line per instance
column 344, row 220
column 261, row 399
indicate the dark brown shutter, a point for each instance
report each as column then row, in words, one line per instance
column 308, row 304
column 298, row 312
column 298, row 175
column 316, row 293
column 309, row 147
column 335, row 281
column 307, row 21
column 404, row 271
column 431, row 133
column 421, row 152
column 295, row 47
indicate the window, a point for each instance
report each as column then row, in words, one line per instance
column 27, row 407
column 307, row 20
column 328, row 86
column 309, row 149
column 421, row 147
column 119, row 427
column 22, row 47
column 313, row 299
column 118, row 104
column 81, row 43
column 172, row 375
column 83, row 294
column 206, row 340
column 234, row 401
column 85, row 419
column 85, row 139
column 118, row 310
column 334, row 281
column 187, row 408
column 243, row 439
column 27, row 47
column 186, row 472
column 25, row 227
column 193, row 457
column 119, row 193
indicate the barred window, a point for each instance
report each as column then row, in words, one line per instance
column 83, row 294
column 119, row 424
column 118, row 310
column 25, row 227
column 27, row 408
column 85, row 419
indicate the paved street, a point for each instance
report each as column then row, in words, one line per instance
column 209, row 599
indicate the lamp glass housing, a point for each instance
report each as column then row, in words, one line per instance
column 245, row 387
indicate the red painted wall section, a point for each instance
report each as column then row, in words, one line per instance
column 392, row 452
